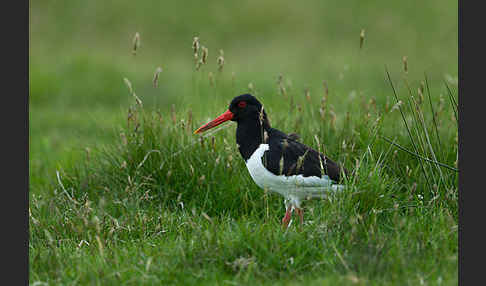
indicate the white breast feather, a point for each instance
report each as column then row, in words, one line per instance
column 295, row 187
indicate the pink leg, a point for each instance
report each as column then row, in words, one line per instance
column 300, row 212
column 286, row 218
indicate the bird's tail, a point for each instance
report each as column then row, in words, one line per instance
column 330, row 190
column 337, row 187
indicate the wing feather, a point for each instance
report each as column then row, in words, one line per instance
column 298, row 159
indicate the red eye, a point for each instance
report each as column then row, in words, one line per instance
column 242, row 104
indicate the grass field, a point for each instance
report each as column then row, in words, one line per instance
column 122, row 192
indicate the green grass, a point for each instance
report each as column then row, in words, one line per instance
column 151, row 214
column 112, row 203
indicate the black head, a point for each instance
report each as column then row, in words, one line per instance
column 245, row 106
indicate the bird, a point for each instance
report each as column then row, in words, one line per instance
column 277, row 161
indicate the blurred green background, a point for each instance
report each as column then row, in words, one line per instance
column 80, row 51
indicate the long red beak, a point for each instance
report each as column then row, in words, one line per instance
column 228, row 115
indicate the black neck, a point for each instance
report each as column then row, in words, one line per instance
column 250, row 134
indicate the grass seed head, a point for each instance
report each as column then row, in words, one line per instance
column 326, row 90
column 307, row 94
column 204, row 55
column 251, row 88
column 195, row 45
column 137, row 99
column 361, row 38
column 211, row 78
column 408, row 170
column 405, row 64
column 130, row 89
column 220, row 60
column 136, row 43
column 333, row 118
column 279, row 79
column 155, row 81
column 281, row 86
column 422, row 86
column 128, row 84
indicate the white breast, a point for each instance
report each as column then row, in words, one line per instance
column 295, row 187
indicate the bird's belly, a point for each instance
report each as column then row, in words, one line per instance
column 295, row 185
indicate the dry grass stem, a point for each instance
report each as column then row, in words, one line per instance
column 173, row 114
column 129, row 85
column 155, row 81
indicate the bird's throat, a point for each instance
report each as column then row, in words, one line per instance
column 250, row 133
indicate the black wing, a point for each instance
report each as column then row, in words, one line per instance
column 289, row 157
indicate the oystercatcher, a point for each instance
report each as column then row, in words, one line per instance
column 277, row 161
